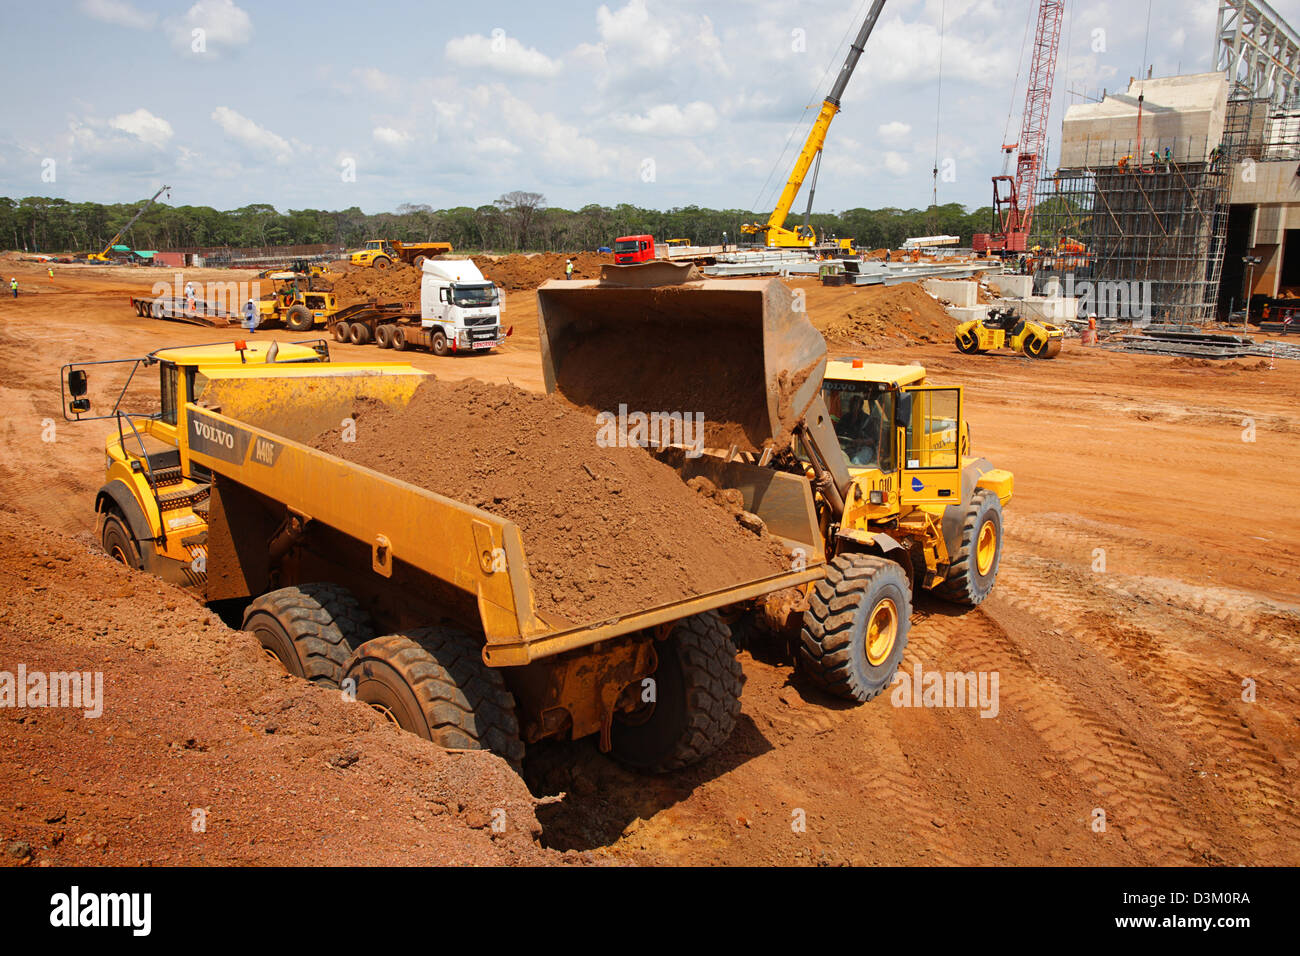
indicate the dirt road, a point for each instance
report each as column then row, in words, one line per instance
column 1144, row 629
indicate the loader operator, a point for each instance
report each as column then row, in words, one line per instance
column 858, row 428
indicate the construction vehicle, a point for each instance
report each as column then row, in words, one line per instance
column 1006, row 328
column 295, row 303
column 1013, row 196
column 902, row 505
column 774, row 233
column 460, row 311
column 382, row 253
column 629, row 250
column 417, row 604
column 104, row 255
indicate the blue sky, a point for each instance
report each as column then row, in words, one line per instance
column 655, row 102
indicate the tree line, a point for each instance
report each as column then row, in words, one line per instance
column 517, row 221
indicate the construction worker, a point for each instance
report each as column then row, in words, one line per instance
column 50, row 270
column 568, row 268
column 1169, row 156
column 13, row 284
column 1123, row 163
column 250, row 315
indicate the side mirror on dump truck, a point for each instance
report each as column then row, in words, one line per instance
column 77, row 387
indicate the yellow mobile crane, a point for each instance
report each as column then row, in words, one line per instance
column 804, row 237
column 103, row 256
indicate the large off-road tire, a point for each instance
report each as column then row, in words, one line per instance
column 432, row 682
column 975, row 566
column 418, row 262
column 117, row 539
column 697, row 700
column 300, row 319
column 856, row 626
column 311, row 629
column 438, row 344
column 382, row 262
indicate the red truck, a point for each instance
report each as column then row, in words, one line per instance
column 630, row 249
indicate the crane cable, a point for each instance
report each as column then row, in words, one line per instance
column 1006, row 131
column 799, row 123
column 938, row 102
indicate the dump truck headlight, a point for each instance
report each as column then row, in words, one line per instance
column 879, row 497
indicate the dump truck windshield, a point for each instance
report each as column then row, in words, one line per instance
column 474, row 295
column 863, row 413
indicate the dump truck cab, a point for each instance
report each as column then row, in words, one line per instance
column 374, row 249
column 151, row 512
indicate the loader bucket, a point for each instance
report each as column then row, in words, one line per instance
column 658, row 338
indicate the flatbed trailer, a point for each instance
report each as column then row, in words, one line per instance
column 398, row 326
column 164, row 307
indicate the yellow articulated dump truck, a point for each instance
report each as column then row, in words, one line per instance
column 902, row 505
column 420, row 605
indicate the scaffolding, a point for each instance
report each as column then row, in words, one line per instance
column 1145, row 224
column 1146, row 233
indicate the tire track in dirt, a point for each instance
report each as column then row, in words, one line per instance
column 1139, row 796
column 1189, row 693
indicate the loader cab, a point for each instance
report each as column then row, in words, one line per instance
column 902, row 439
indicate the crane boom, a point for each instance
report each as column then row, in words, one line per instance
column 1013, row 197
column 103, row 256
column 777, row 234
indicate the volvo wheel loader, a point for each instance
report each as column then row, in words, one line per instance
column 902, row 504
column 420, row 605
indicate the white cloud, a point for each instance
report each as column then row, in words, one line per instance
column 377, row 81
column 893, row 131
column 118, row 12
column 679, row 47
column 247, row 133
column 144, row 126
column 502, row 53
column 223, row 24
column 668, row 119
column 387, row 136
column 496, row 146
column 896, row 164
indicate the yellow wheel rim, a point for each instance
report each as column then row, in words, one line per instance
column 986, row 548
column 882, row 631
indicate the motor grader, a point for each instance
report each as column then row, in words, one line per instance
column 1006, row 328
column 419, row 605
column 902, row 504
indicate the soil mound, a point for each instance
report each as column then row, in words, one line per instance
column 519, row 271
column 398, row 283
column 902, row 314
column 606, row 529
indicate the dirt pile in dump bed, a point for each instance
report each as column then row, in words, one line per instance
column 193, row 717
column 902, row 314
column 398, row 283
column 521, row 272
column 606, row 530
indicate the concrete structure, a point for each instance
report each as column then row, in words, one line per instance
column 953, row 291
column 1012, row 286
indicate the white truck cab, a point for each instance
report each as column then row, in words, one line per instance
column 458, row 301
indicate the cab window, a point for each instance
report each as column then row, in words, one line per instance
column 931, row 418
column 863, row 416
column 167, row 377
